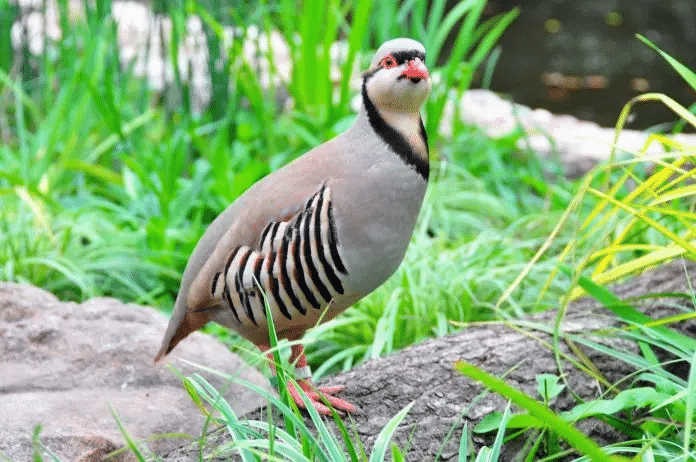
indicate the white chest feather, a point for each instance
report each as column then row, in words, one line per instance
column 409, row 126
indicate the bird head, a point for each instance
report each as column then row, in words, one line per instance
column 398, row 79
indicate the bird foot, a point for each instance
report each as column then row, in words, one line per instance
column 318, row 396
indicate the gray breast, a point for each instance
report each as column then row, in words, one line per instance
column 375, row 222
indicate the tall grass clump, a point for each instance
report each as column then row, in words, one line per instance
column 57, row 180
column 630, row 215
column 641, row 212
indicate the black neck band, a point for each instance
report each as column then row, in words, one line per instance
column 394, row 139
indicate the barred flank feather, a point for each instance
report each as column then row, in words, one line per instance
column 297, row 264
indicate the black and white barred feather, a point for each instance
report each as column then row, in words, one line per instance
column 297, row 264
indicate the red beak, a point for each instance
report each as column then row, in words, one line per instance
column 416, row 70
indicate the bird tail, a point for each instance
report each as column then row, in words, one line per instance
column 181, row 324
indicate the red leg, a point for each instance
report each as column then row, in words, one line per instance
column 303, row 376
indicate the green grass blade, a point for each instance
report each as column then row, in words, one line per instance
column 566, row 431
column 684, row 71
column 324, row 436
column 361, row 19
column 112, row 140
column 38, row 447
column 445, row 27
column 492, row 37
column 464, row 444
column 434, row 23
column 347, row 440
column 690, row 408
column 236, row 431
column 500, row 435
column 642, row 215
column 628, row 314
column 19, row 92
column 280, row 371
column 129, row 441
column 382, row 441
column 299, row 430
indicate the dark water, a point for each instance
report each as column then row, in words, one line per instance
column 581, row 57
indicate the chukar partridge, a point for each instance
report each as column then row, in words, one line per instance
column 322, row 232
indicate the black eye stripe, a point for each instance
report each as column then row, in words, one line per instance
column 407, row 55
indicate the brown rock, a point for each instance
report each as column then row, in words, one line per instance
column 63, row 364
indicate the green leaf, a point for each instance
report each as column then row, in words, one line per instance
column 350, row 446
column 493, row 453
column 129, row 441
column 491, row 422
column 548, row 386
column 629, row 314
column 96, row 171
column 382, row 441
column 332, row 450
column 566, row 431
column 464, row 443
column 634, row 398
column 684, row 71
column 397, row 455
column 38, row 447
column 690, row 407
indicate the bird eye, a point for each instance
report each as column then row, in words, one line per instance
column 388, row 62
